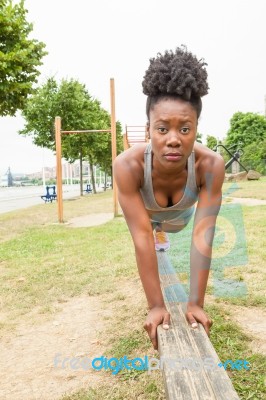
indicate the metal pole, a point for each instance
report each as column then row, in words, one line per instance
column 43, row 170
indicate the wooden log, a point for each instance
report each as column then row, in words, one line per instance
column 189, row 361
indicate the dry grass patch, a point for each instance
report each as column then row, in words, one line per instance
column 252, row 189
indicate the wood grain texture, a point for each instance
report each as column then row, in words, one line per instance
column 188, row 360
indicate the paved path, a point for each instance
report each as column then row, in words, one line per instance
column 15, row 198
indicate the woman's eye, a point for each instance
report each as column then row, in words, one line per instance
column 162, row 130
column 185, row 130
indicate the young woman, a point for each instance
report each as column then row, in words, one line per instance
column 160, row 183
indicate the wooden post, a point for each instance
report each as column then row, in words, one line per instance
column 113, row 133
column 58, row 168
column 125, row 141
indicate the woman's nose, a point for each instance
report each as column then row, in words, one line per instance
column 173, row 139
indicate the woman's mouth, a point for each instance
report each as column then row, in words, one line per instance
column 173, row 156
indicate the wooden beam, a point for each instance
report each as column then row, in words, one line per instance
column 182, row 342
column 114, row 152
column 59, row 169
column 86, row 131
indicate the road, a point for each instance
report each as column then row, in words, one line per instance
column 15, row 198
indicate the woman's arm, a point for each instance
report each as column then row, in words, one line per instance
column 127, row 175
column 208, row 207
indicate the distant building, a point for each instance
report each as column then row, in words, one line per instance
column 70, row 171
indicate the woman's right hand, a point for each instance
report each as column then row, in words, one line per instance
column 156, row 316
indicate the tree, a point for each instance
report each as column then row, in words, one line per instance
column 79, row 111
column 199, row 137
column 246, row 128
column 211, row 142
column 254, row 157
column 19, row 57
column 102, row 149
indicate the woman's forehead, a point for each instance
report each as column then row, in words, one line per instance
column 173, row 108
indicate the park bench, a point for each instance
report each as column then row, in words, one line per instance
column 182, row 342
column 88, row 188
column 50, row 194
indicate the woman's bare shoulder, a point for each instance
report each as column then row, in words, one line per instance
column 208, row 162
column 130, row 163
column 132, row 157
column 207, row 158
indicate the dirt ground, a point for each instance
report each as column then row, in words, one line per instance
column 90, row 220
column 253, row 322
column 28, row 366
column 31, row 363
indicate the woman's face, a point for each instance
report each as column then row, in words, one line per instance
column 172, row 129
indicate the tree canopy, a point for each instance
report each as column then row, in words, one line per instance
column 79, row 111
column 254, row 157
column 211, row 142
column 19, row 57
column 246, row 128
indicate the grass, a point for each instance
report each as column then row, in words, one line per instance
column 59, row 261
column 238, row 273
column 231, row 343
column 250, row 189
column 42, row 262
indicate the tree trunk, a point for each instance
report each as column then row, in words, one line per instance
column 80, row 173
column 92, row 175
column 105, row 180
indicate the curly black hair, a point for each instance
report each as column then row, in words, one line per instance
column 176, row 74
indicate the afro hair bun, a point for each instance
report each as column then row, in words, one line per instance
column 176, row 73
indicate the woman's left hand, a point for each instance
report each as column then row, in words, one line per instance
column 195, row 314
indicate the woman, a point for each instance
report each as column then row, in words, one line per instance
column 160, row 183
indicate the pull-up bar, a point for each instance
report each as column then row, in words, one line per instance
column 59, row 132
column 88, row 131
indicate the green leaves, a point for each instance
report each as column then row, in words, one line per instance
column 246, row 128
column 19, row 57
column 79, row 111
column 249, row 129
column 254, row 157
column 211, row 142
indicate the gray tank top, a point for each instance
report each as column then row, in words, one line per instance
column 190, row 195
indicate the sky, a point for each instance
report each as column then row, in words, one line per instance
column 93, row 41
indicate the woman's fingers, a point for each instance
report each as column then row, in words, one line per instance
column 207, row 326
column 166, row 321
column 151, row 330
column 155, row 318
column 203, row 319
column 191, row 320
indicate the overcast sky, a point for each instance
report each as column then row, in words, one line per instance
column 93, row 41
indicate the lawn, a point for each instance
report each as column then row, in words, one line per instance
column 255, row 189
column 42, row 262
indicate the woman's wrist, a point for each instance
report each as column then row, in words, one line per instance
column 156, row 304
column 195, row 302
